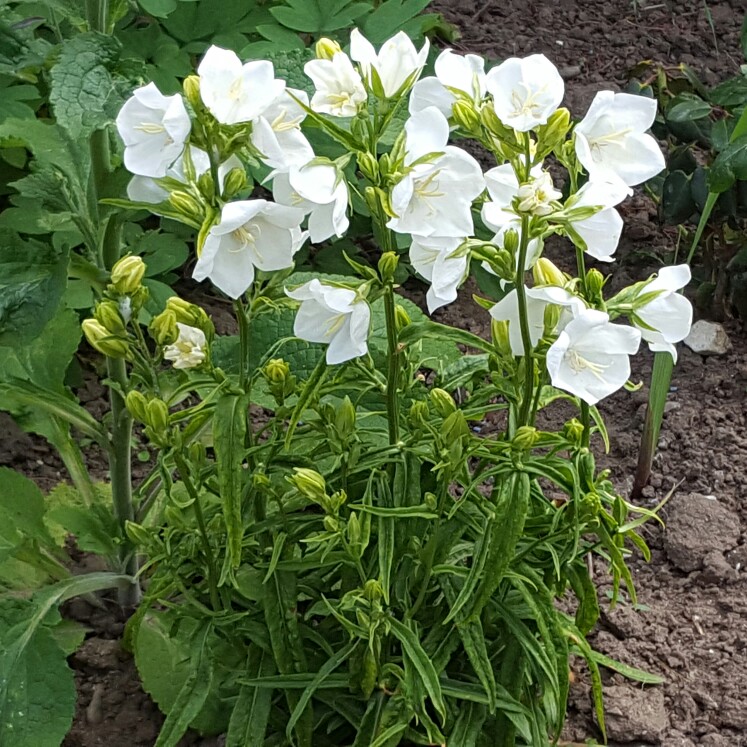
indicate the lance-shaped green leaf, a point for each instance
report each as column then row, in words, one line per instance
column 229, row 439
column 251, row 714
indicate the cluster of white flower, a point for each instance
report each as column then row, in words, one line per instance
column 431, row 188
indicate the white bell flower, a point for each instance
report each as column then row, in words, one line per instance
column 499, row 214
column 454, row 72
column 669, row 316
column 339, row 88
column 601, row 232
column 396, row 63
column 526, row 91
column 321, row 192
column 590, row 357
column 277, row 135
column 435, row 198
column 154, row 129
column 251, row 234
column 611, row 140
column 435, row 259
column 188, row 351
column 234, row 92
column 334, row 316
column 147, row 189
column 538, row 299
column 537, row 195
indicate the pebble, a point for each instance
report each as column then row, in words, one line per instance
column 708, row 338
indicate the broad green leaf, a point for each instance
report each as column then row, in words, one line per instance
column 22, row 510
column 163, row 655
column 32, row 281
column 729, row 166
column 158, row 8
column 319, row 17
column 84, row 94
column 389, row 17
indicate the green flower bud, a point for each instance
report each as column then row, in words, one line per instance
column 501, row 339
column 282, row 382
column 419, row 413
column 191, row 315
column 388, row 266
column 136, row 533
column 107, row 313
column 137, row 406
column 331, row 524
column 100, row 339
column 526, row 437
column 188, row 206
column 127, row 274
column 310, row 484
column 546, row 273
column 430, row 500
column 234, row 182
column 594, row 283
column 326, row 49
column 354, row 529
column 197, row 454
column 494, row 125
column 191, row 88
column 401, row 317
column 455, row 428
column 443, row 402
column 373, row 590
column 157, row 415
column 163, row 328
column 553, row 133
column 345, row 419
column 336, row 501
column 466, row 116
column 511, row 241
column 573, row 430
column 368, row 166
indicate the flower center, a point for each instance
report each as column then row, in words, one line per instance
column 150, row 128
column 281, row 124
column 428, row 189
column 598, row 143
column 341, row 100
column 334, row 325
column 234, row 92
column 578, row 364
column 247, row 236
column 527, row 103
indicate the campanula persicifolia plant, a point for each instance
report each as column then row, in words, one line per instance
column 357, row 563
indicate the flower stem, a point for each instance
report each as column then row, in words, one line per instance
column 243, row 320
column 526, row 340
column 181, row 465
column 392, row 401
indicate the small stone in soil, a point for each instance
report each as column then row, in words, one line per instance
column 708, row 338
column 632, row 714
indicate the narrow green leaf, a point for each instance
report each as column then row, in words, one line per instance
column 422, row 663
column 251, row 714
column 420, row 330
column 309, row 390
column 229, row 439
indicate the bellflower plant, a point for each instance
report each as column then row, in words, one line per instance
column 342, row 549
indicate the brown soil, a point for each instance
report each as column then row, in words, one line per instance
column 691, row 623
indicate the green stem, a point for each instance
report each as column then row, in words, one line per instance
column 526, row 339
column 243, row 320
column 120, row 472
column 586, row 422
column 392, row 401
column 181, row 465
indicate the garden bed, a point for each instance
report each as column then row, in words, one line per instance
column 691, row 625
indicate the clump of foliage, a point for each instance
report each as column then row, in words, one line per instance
column 330, row 552
column 706, row 177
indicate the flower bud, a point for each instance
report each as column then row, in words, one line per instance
column 136, row 533
column 331, row 524
column 234, row 182
column 466, row 116
column 526, row 437
column 418, row 415
column 501, row 340
column 511, row 241
column 494, row 125
column 137, row 406
column 354, row 529
column 191, row 315
column 191, row 88
column 430, row 500
column 107, row 313
column 373, row 591
column 368, row 166
column 276, row 371
column 100, row 339
column 443, row 402
column 546, row 273
column 554, row 132
column 345, row 419
column 163, row 328
column 157, row 415
column 594, row 283
column 326, row 49
column 127, row 274
column 310, row 484
column 573, row 430
column 197, row 454
column 401, row 317
column 184, row 203
column 388, row 266
column 455, row 428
